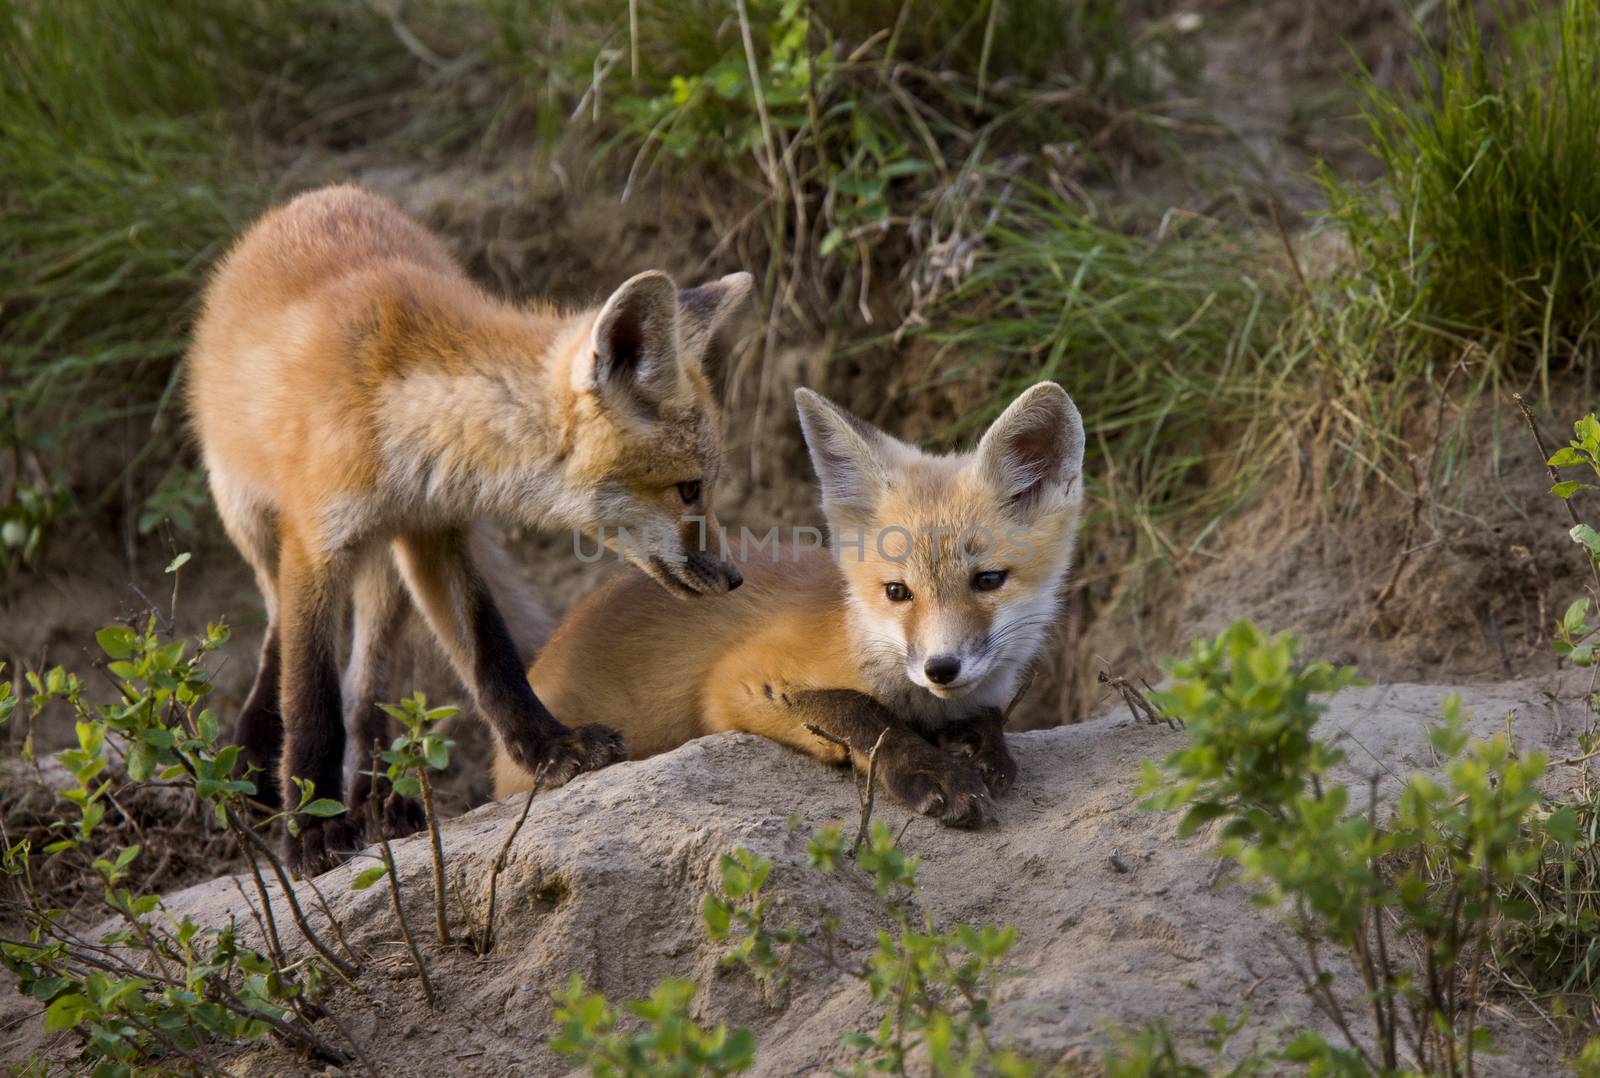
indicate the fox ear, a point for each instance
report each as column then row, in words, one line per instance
column 702, row 310
column 1036, row 446
column 634, row 348
column 849, row 454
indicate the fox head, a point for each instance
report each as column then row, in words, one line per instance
column 953, row 564
column 646, row 443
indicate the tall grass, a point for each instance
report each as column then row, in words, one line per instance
column 1167, row 342
column 135, row 141
column 118, row 185
column 1486, row 223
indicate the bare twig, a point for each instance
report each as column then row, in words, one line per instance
column 400, row 916
column 1141, row 708
column 263, row 847
column 436, row 848
column 483, row 938
column 338, row 929
column 394, row 887
column 865, row 796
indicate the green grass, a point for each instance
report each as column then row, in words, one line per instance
column 136, row 139
column 116, row 165
column 1486, row 223
column 1165, row 342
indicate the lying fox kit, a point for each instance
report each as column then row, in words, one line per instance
column 917, row 627
column 361, row 406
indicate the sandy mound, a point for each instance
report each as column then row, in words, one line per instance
column 1120, row 921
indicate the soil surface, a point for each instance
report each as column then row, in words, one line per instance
column 1119, row 919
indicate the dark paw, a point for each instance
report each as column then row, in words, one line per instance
column 323, row 843
column 985, row 749
column 998, row 769
column 399, row 816
column 586, row 748
column 943, row 786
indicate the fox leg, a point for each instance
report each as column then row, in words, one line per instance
column 259, row 729
column 310, row 599
column 381, row 605
column 982, row 739
column 454, row 596
column 914, row 771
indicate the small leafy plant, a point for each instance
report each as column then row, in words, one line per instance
column 667, row 1042
column 1437, row 881
column 1575, row 635
column 412, row 754
column 157, row 990
column 933, row 983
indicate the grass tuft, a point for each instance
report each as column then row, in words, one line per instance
column 1165, row 340
column 1486, row 223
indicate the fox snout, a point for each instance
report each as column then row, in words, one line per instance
column 695, row 573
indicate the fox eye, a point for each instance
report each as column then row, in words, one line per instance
column 897, row 592
column 689, row 492
column 989, row 580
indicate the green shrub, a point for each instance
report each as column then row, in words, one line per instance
column 934, row 983
column 153, row 993
column 1441, row 876
column 1487, row 220
column 667, row 1042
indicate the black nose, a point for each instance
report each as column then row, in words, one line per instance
column 942, row 669
column 734, row 579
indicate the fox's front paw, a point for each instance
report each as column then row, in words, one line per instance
column 586, row 748
column 323, row 843
column 936, row 784
column 993, row 761
column 398, row 816
column 982, row 743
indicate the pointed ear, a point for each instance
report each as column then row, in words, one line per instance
column 633, row 351
column 850, row 455
column 702, row 310
column 1035, row 447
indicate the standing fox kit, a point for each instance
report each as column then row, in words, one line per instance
column 361, row 407
column 942, row 586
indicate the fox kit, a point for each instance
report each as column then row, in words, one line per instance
column 917, row 627
column 361, row 407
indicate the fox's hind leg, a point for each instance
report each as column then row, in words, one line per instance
column 381, row 606
column 454, row 595
column 253, row 527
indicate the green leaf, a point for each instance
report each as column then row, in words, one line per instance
column 1565, row 457
column 179, row 562
column 116, row 641
column 1567, row 488
column 1572, row 620
column 323, row 806
column 1582, row 533
column 367, row 877
column 1587, row 430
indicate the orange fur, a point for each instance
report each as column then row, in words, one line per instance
column 663, row 674
column 361, row 406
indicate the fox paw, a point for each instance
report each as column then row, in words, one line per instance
column 993, row 761
column 323, row 843
column 586, row 748
column 398, row 816
column 983, row 745
column 940, row 785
